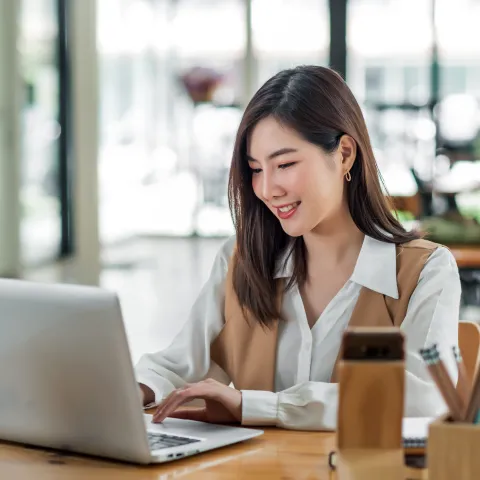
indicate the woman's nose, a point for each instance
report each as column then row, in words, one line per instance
column 270, row 187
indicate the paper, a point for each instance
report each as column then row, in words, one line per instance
column 416, row 427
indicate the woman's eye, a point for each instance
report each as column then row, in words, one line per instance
column 286, row 165
column 255, row 171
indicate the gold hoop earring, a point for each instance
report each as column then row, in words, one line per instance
column 348, row 177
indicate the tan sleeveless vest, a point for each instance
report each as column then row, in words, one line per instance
column 247, row 352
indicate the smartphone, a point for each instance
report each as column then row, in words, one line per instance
column 373, row 344
column 416, row 461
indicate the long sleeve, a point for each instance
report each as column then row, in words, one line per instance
column 432, row 317
column 187, row 358
column 306, row 406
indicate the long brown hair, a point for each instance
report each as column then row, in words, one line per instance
column 316, row 103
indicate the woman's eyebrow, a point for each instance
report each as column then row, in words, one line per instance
column 277, row 153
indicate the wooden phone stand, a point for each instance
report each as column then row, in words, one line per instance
column 369, row 422
column 370, row 404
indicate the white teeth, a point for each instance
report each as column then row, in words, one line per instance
column 288, row 207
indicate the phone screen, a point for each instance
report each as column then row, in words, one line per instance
column 416, row 461
column 373, row 345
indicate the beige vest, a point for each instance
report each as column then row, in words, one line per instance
column 247, row 352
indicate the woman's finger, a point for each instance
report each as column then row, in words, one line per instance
column 178, row 398
column 168, row 400
column 171, row 407
column 197, row 414
column 198, row 390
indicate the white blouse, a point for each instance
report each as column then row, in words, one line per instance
column 304, row 398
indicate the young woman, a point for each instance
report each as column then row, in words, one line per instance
column 316, row 249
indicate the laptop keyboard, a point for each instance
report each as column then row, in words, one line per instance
column 157, row 441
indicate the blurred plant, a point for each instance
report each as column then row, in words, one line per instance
column 404, row 215
column 476, row 147
column 201, row 83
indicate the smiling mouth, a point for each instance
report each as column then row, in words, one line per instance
column 287, row 208
column 288, row 211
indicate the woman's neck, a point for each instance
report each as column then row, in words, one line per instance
column 334, row 242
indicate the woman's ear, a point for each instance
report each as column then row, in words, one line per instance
column 348, row 150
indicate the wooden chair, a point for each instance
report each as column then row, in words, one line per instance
column 469, row 344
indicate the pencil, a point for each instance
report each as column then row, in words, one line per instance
column 474, row 402
column 442, row 379
column 463, row 387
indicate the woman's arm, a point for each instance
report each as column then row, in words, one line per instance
column 187, row 359
column 432, row 317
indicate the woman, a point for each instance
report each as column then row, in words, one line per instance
column 316, row 249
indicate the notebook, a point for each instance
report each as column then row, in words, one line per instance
column 414, row 433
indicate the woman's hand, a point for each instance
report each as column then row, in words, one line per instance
column 223, row 404
column 147, row 394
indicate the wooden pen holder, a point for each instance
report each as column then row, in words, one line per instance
column 453, row 450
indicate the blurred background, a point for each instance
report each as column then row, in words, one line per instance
column 117, row 121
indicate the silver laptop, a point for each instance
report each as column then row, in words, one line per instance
column 67, row 380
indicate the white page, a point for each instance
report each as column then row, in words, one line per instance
column 416, row 427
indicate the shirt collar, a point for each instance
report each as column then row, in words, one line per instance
column 376, row 267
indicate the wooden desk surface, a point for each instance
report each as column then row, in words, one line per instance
column 278, row 454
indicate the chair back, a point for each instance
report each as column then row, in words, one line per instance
column 469, row 344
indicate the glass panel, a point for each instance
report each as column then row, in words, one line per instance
column 169, row 95
column 287, row 33
column 41, row 227
column 172, row 86
column 377, row 68
column 457, row 27
column 459, row 52
column 389, row 72
column 459, row 112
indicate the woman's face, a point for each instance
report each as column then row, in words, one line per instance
column 301, row 184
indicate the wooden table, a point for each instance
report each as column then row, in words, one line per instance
column 466, row 256
column 278, row 454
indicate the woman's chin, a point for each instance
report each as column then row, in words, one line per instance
column 294, row 230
